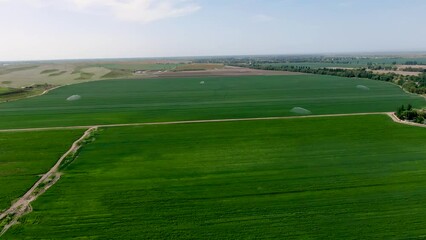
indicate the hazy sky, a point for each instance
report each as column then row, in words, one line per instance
column 62, row 29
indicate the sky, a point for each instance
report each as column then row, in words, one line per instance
column 77, row 29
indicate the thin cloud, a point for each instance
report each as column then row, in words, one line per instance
column 140, row 10
column 143, row 11
column 262, row 18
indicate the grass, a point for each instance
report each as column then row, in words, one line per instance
column 316, row 65
column 18, row 94
column 198, row 67
column 57, row 73
column 140, row 66
column 4, row 90
column 48, row 71
column 26, row 74
column 152, row 100
column 326, row 178
column 126, row 69
column 85, row 76
column 12, row 94
column 8, row 70
column 24, row 156
column 118, row 73
column 356, row 63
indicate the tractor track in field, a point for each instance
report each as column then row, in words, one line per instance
column 23, row 205
column 390, row 114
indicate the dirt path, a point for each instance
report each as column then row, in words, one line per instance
column 190, row 121
column 397, row 120
column 22, row 205
column 390, row 114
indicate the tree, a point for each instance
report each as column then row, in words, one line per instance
column 420, row 119
column 400, row 111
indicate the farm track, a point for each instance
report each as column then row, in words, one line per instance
column 397, row 120
column 23, row 204
column 390, row 114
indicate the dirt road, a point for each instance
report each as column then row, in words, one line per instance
column 191, row 121
column 396, row 119
column 22, row 206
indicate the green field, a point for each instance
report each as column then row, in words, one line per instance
column 152, row 100
column 336, row 177
column 341, row 178
column 351, row 63
column 198, row 67
column 49, row 71
column 141, row 66
column 4, row 90
column 25, row 155
column 316, row 65
column 14, row 94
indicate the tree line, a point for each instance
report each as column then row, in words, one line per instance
column 413, row 84
column 410, row 114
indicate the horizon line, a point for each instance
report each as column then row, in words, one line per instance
column 183, row 57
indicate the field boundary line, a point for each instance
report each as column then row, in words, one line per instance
column 187, row 122
column 238, row 119
column 23, row 204
column 390, row 114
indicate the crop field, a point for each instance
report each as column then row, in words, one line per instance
column 25, row 155
column 54, row 74
column 127, row 69
column 141, row 66
column 212, row 120
column 318, row 64
column 4, row 90
column 155, row 100
column 14, row 94
column 8, row 70
column 355, row 63
column 264, row 179
column 328, row 177
column 57, row 73
column 198, row 67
